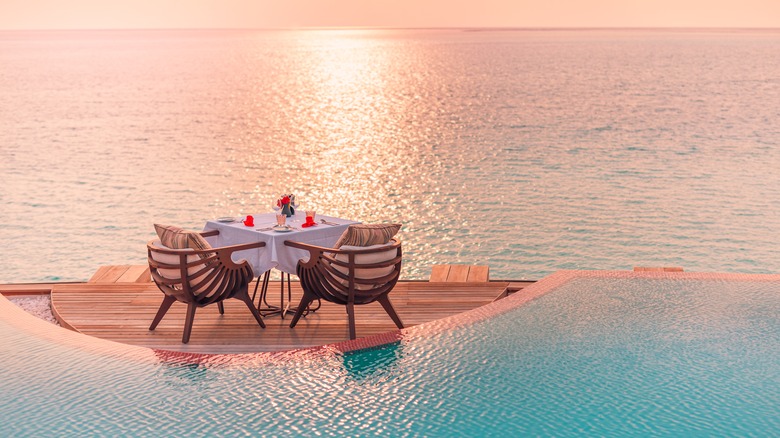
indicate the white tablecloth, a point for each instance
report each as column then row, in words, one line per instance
column 275, row 254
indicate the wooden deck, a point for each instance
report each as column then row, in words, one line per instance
column 122, row 312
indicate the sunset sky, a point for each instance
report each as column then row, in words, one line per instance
column 107, row 14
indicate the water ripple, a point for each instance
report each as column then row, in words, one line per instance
column 527, row 151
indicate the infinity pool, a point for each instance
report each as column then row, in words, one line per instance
column 578, row 353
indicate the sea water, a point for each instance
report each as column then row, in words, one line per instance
column 525, row 150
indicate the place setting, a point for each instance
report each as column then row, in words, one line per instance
column 247, row 221
column 284, row 218
column 288, row 216
column 285, row 210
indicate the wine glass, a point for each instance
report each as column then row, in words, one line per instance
column 276, row 206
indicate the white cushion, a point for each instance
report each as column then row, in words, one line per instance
column 365, row 259
column 175, row 274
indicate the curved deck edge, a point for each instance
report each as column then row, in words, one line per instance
column 528, row 293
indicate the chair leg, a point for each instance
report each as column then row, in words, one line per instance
column 191, row 307
column 305, row 301
column 314, row 309
column 244, row 296
column 166, row 304
column 385, row 302
column 221, row 308
column 351, row 318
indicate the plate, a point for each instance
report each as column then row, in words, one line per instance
column 282, row 228
column 226, row 219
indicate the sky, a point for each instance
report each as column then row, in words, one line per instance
column 274, row 14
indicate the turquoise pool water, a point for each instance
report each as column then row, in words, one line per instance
column 596, row 355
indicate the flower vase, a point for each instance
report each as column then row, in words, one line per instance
column 287, row 210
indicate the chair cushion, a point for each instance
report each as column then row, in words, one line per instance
column 177, row 238
column 365, row 259
column 170, row 259
column 175, row 274
column 363, row 235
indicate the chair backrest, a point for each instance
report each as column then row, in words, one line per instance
column 198, row 276
column 360, row 274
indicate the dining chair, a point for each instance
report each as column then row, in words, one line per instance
column 200, row 277
column 350, row 276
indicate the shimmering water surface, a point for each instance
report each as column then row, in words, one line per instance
column 529, row 151
column 594, row 357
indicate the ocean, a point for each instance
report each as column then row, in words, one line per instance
column 526, row 150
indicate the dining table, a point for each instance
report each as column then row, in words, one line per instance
column 275, row 254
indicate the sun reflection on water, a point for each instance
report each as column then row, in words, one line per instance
column 355, row 144
column 497, row 148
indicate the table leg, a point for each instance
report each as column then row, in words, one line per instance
column 263, row 306
column 270, row 309
column 289, row 296
column 265, row 286
column 288, row 308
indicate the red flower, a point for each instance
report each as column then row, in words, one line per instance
column 285, row 200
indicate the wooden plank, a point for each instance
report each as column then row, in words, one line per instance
column 145, row 276
column 479, row 273
column 458, row 273
column 439, row 273
column 110, row 275
column 99, row 273
column 135, row 274
column 22, row 289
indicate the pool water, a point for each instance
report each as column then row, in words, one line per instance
column 593, row 354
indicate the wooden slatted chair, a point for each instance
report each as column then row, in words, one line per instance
column 199, row 278
column 349, row 276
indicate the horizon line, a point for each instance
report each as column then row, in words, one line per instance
column 470, row 28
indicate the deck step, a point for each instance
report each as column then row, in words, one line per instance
column 460, row 274
column 23, row 289
column 122, row 274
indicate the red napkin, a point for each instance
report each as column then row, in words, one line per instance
column 250, row 221
column 307, row 225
